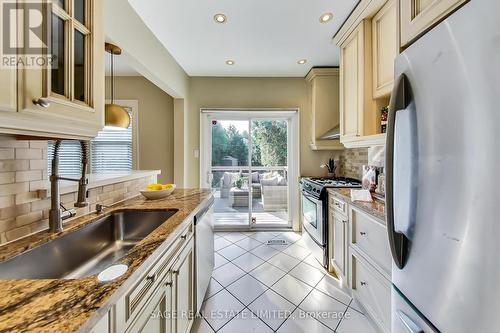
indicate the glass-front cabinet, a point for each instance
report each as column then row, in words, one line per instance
column 59, row 86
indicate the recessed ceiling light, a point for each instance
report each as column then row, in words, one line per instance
column 326, row 17
column 302, row 61
column 220, row 18
column 230, row 62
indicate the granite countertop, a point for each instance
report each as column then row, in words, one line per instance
column 65, row 305
column 375, row 208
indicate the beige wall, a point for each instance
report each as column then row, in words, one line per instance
column 208, row 92
column 156, row 119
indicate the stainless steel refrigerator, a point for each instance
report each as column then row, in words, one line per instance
column 443, row 176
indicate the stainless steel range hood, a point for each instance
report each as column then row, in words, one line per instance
column 333, row 134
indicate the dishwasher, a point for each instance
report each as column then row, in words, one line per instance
column 204, row 251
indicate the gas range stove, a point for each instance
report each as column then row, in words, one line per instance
column 314, row 210
column 317, row 186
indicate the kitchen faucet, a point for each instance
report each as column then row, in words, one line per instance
column 56, row 214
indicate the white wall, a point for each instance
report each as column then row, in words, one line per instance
column 143, row 51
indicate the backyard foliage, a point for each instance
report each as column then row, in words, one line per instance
column 269, row 143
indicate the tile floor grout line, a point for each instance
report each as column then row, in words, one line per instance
column 348, row 306
column 288, row 273
column 297, row 306
column 270, row 287
column 248, row 273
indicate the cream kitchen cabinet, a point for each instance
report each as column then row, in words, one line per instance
column 370, row 265
column 102, row 326
column 418, row 16
column 357, row 108
column 183, row 291
column 8, row 92
column 323, row 87
column 155, row 316
column 371, row 289
column 66, row 98
column 385, row 48
column 338, row 225
column 162, row 300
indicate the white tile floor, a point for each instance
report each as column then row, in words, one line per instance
column 257, row 288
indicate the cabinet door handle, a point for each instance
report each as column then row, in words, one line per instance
column 168, row 284
column 344, row 221
column 42, row 102
column 183, row 237
column 362, row 233
column 364, row 284
column 151, row 278
column 176, row 272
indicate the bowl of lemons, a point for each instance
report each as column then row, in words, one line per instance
column 158, row 191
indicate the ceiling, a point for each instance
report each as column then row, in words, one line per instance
column 264, row 38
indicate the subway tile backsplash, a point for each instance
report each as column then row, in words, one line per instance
column 351, row 162
column 23, row 171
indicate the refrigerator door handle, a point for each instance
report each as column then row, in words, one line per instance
column 409, row 324
column 397, row 241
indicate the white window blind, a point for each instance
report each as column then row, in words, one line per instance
column 69, row 158
column 110, row 151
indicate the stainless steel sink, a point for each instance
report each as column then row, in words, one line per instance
column 86, row 251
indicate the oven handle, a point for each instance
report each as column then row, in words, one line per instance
column 311, row 198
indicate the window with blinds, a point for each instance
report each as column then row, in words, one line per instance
column 69, row 158
column 110, row 151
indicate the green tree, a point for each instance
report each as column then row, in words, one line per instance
column 237, row 145
column 270, row 136
column 219, row 144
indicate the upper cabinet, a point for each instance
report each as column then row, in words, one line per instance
column 323, row 84
column 384, row 49
column 417, row 16
column 368, row 43
column 65, row 98
column 356, row 104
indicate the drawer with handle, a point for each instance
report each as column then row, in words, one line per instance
column 370, row 235
column 338, row 205
column 372, row 290
column 140, row 293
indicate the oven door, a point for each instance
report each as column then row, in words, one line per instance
column 312, row 217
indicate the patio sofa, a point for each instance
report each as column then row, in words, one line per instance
column 274, row 194
column 228, row 180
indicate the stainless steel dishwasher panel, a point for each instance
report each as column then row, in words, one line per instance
column 204, row 247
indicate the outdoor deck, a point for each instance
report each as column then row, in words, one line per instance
column 226, row 215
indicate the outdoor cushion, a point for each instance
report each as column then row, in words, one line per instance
column 269, row 182
column 281, row 181
column 230, row 177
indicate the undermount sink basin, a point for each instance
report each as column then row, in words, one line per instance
column 86, row 251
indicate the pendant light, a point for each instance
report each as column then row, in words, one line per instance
column 115, row 115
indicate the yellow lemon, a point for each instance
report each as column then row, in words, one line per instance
column 154, row 187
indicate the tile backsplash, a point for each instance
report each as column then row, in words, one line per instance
column 351, row 161
column 23, row 172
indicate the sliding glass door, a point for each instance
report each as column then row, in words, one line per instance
column 229, row 171
column 247, row 168
column 269, row 176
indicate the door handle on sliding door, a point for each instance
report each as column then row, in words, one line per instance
column 400, row 100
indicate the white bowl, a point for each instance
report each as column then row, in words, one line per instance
column 155, row 195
